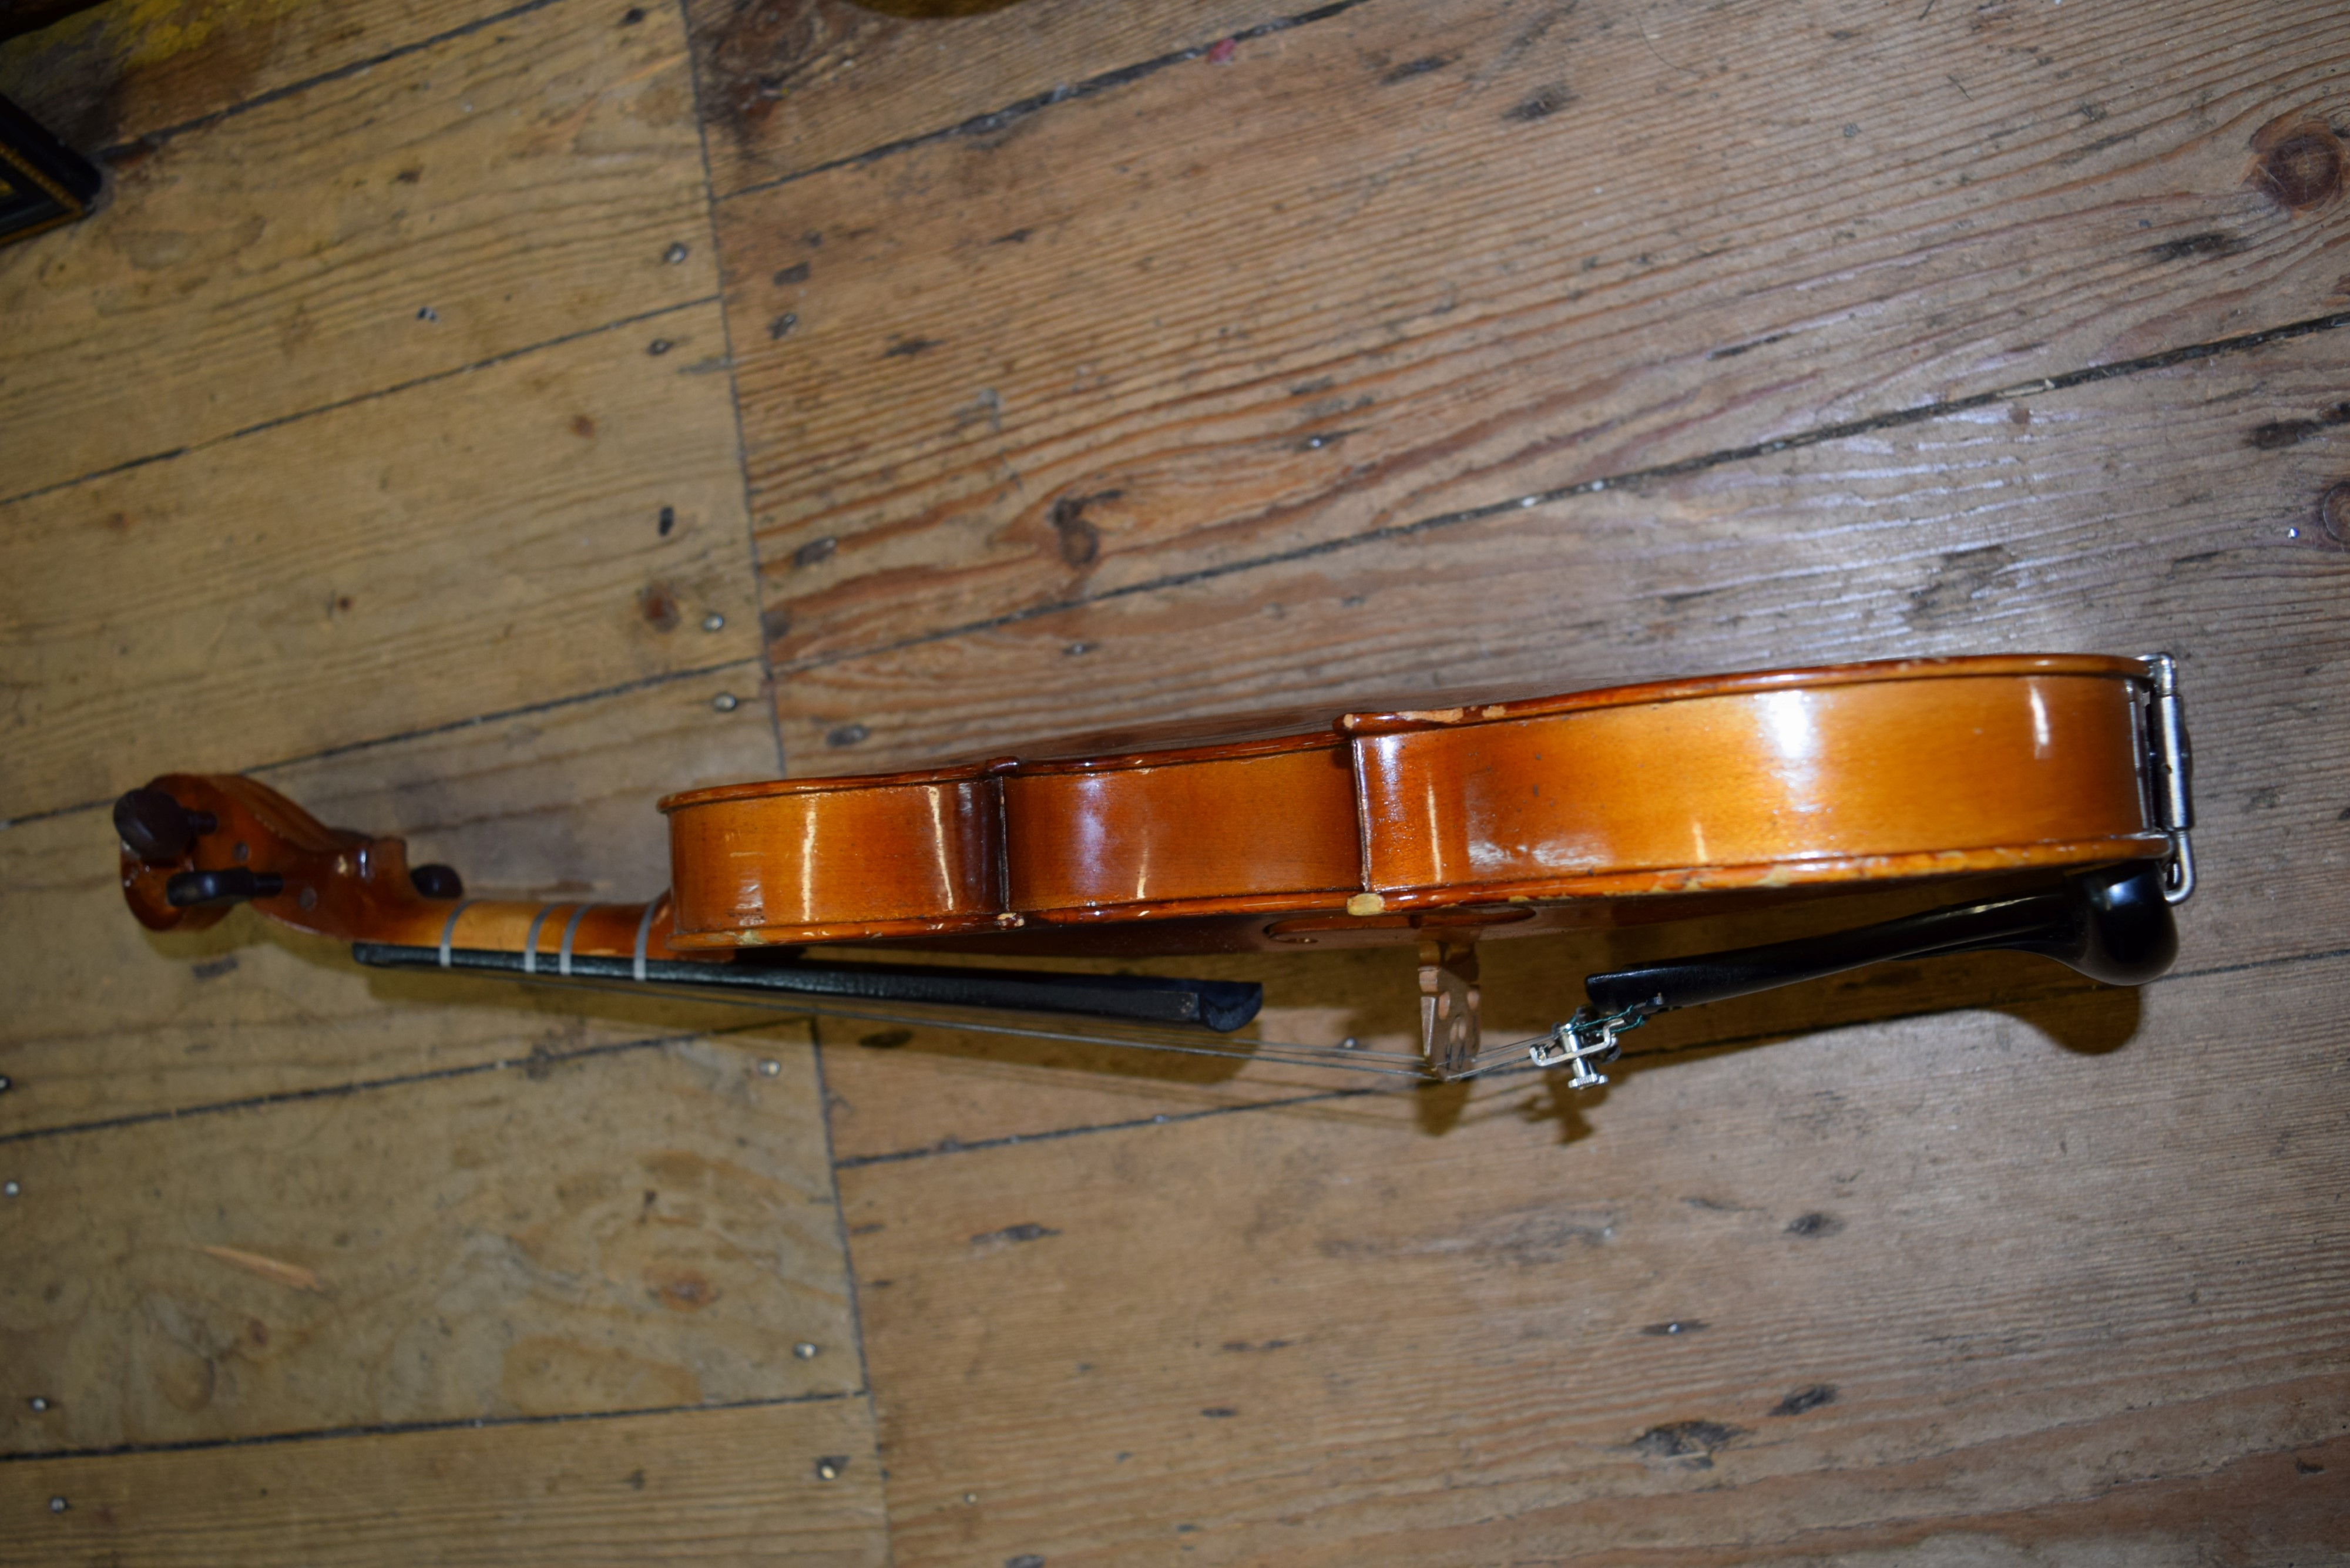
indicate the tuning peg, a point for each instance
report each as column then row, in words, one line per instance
column 436, row 881
column 232, row 886
column 157, row 828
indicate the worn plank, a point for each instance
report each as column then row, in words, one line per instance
column 436, row 554
column 105, row 1019
column 708, row 1485
column 630, row 1227
column 1412, row 259
column 2141, row 513
column 133, row 68
column 1935, row 1281
column 2134, row 515
column 496, row 190
column 789, row 86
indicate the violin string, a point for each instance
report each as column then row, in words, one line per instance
column 1485, row 1063
column 1293, row 1053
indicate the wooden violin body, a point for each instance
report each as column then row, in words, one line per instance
column 1435, row 826
column 1511, row 817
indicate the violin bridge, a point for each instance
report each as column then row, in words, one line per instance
column 1448, row 1005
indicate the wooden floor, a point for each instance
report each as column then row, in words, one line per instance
column 476, row 422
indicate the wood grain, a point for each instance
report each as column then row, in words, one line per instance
column 133, row 68
column 1415, row 259
column 495, row 190
column 704, row 1486
column 497, row 542
column 632, row 1229
column 2140, row 512
column 106, row 1020
column 1936, row 1279
column 789, row 86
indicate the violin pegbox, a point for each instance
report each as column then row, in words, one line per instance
column 195, row 846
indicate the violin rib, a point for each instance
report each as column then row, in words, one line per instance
column 1509, row 816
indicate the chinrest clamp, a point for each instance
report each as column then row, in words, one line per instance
column 1587, row 1038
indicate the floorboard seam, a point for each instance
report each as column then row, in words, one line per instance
column 1165, row 1118
column 734, row 394
column 148, row 140
column 1632, row 1060
column 500, row 716
column 849, row 1270
column 1631, row 479
column 1092, row 86
column 368, row 397
column 534, row 1063
column 393, row 1429
column 97, row 474
column 776, row 724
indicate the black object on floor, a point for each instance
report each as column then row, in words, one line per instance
column 43, row 183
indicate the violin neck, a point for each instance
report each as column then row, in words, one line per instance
column 547, row 936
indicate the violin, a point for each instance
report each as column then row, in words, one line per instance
column 1440, row 828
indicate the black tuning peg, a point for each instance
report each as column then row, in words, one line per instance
column 158, row 829
column 232, row 885
column 436, row 881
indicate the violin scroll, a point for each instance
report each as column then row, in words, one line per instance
column 196, row 844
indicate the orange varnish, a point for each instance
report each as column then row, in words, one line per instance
column 1858, row 774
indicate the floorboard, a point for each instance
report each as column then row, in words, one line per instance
column 129, row 71
column 2144, row 512
column 790, row 87
column 1892, row 1282
column 721, row 1487
column 1233, row 312
column 493, row 192
column 627, row 1227
column 498, row 541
